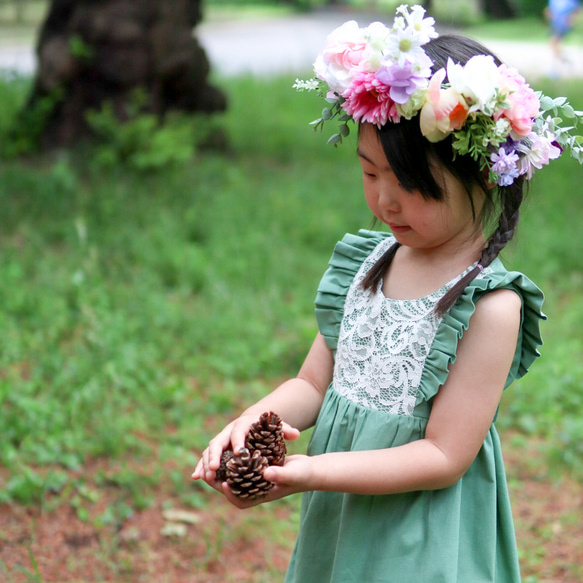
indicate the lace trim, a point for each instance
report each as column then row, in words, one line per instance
column 383, row 343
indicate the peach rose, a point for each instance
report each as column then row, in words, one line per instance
column 444, row 111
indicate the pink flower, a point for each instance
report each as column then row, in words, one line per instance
column 368, row 100
column 345, row 49
column 538, row 153
column 523, row 102
column 444, row 111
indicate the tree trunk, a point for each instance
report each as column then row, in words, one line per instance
column 103, row 51
column 498, row 9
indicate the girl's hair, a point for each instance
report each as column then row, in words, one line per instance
column 411, row 155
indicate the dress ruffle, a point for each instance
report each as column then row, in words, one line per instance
column 456, row 321
column 348, row 256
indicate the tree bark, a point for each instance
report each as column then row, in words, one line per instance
column 103, row 50
column 498, row 9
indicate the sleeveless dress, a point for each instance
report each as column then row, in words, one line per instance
column 391, row 357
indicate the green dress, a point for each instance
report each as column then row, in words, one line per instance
column 391, row 357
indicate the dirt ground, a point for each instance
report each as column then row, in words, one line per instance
column 217, row 543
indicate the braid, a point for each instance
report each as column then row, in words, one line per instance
column 507, row 222
column 375, row 273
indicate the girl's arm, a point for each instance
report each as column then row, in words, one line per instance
column 461, row 416
column 296, row 401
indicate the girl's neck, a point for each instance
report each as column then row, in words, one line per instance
column 416, row 273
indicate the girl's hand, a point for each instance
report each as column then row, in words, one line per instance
column 234, row 434
column 293, row 477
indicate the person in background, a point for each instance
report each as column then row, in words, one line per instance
column 561, row 16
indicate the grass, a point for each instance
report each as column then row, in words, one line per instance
column 132, row 302
column 139, row 311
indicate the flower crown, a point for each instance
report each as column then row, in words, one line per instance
column 379, row 75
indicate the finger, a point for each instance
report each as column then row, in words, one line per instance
column 205, row 460
column 197, row 474
column 216, row 448
column 290, row 433
column 272, row 474
column 238, row 437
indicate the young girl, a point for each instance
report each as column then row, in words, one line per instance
column 422, row 328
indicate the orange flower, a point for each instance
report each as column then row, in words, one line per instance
column 444, row 111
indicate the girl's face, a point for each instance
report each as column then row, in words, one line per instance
column 415, row 221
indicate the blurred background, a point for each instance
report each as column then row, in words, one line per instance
column 166, row 213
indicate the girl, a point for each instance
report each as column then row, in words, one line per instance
column 422, row 328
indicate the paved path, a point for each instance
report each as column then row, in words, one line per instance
column 289, row 46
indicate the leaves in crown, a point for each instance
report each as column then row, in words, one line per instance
column 335, row 139
column 327, row 113
column 344, row 130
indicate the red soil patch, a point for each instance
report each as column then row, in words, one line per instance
column 224, row 544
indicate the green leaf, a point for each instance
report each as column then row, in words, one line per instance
column 327, row 113
column 335, row 139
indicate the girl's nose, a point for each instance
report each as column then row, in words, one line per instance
column 387, row 199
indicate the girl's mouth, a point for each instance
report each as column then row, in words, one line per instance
column 398, row 228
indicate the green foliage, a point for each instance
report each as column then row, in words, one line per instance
column 532, row 7
column 144, row 143
column 80, row 49
column 21, row 127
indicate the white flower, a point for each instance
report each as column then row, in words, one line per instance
column 502, row 128
column 307, row 85
column 423, row 26
column 376, row 34
column 405, row 45
column 399, row 24
column 477, row 81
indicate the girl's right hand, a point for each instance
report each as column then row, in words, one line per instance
column 234, row 434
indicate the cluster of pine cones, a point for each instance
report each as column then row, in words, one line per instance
column 265, row 446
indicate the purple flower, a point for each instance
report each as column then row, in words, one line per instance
column 403, row 81
column 505, row 166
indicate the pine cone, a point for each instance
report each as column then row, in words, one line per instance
column 265, row 446
column 222, row 471
column 267, row 436
column 245, row 474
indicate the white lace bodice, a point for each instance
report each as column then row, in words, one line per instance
column 383, row 344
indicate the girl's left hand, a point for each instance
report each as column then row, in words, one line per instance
column 291, row 478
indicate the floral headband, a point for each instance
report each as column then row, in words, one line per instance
column 379, row 75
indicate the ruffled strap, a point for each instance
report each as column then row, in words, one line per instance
column 456, row 322
column 348, row 256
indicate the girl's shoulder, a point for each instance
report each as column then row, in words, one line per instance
column 349, row 255
column 457, row 320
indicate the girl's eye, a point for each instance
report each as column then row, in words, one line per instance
column 369, row 174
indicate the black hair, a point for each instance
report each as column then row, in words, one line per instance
column 410, row 156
